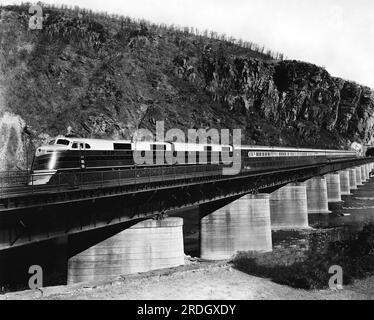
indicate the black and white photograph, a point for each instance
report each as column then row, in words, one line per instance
column 187, row 156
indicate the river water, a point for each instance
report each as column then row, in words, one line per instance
column 353, row 213
column 345, row 218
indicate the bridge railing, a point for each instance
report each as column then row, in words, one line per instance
column 25, row 182
column 14, row 177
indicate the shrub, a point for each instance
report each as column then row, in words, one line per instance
column 309, row 270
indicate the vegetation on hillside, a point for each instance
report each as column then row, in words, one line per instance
column 104, row 75
column 134, row 27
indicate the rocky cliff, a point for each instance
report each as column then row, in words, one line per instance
column 95, row 75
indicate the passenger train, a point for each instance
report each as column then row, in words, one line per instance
column 65, row 154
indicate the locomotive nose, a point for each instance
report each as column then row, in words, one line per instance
column 44, row 149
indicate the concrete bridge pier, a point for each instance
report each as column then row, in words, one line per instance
column 288, row 207
column 358, row 176
column 242, row 225
column 363, row 174
column 333, row 188
column 367, row 167
column 352, row 179
column 367, row 170
column 147, row 245
column 345, row 187
column 316, row 189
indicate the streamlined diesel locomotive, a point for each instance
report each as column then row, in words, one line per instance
column 78, row 154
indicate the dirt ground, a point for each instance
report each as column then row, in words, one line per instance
column 194, row 281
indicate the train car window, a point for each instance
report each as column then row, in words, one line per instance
column 226, row 150
column 75, row 145
column 158, row 147
column 87, row 146
column 122, row 146
column 63, row 142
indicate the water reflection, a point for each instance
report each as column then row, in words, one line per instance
column 353, row 213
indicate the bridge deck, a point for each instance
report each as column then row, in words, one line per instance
column 14, row 186
column 35, row 213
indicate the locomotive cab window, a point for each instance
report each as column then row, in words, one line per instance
column 87, row 146
column 63, row 142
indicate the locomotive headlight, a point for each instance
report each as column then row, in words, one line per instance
column 52, row 161
column 38, row 151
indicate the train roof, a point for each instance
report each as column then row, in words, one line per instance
column 289, row 149
column 107, row 144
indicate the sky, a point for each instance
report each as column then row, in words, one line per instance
column 335, row 34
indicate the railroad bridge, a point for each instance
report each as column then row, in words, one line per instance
column 88, row 219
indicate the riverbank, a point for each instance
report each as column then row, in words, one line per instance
column 196, row 281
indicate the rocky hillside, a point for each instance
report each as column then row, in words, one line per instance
column 95, row 75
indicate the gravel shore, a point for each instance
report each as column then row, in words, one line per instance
column 196, row 281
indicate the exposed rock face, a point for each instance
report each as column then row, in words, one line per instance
column 93, row 76
column 294, row 95
column 12, row 144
